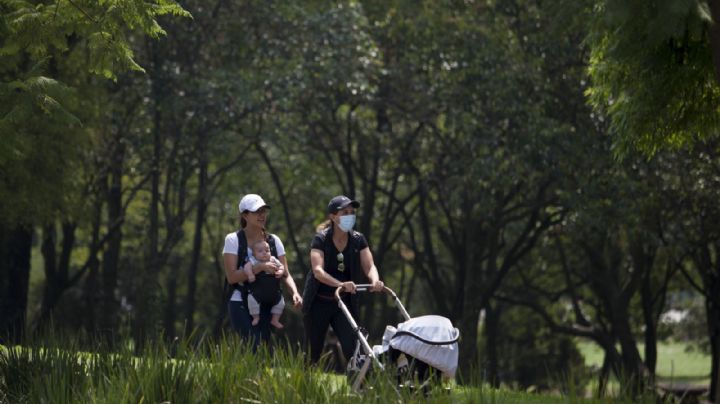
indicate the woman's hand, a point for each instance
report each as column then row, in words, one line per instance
column 348, row 287
column 377, row 286
column 297, row 300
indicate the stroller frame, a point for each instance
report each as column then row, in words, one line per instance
column 363, row 343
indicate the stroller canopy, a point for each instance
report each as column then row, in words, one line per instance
column 431, row 339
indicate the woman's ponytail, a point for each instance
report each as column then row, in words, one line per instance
column 324, row 225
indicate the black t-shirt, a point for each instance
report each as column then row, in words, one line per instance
column 351, row 257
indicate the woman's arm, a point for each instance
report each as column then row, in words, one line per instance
column 234, row 275
column 290, row 283
column 317, row 260
column 370, row 270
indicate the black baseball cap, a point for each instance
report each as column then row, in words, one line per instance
column 341, row 202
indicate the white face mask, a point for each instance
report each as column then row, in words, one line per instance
column 347, row 222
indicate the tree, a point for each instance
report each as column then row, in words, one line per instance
column 655, row 72
column 45, row 45
column 693, row 191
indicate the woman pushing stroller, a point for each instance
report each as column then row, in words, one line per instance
column 337, row 255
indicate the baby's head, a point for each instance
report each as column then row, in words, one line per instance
column 261, row 250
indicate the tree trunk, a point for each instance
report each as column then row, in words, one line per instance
column 468, row 313
column 652, row 299
column 110, row 307
column 57, row 270
column 712, row 306
column 603, row 376
column 144, row 314
column 632, row 375
column 15, row 249
column 197, row 247
column 111, row 258
column 90, row 290
column 53, row 283
column 428, row 261
column 492, row 329
column 715, row 37
column 612, row 360
column 650, row 330
column 715, row 366
column 170, row 312
column 616, row 292
column 148, row 277
column 469, row 361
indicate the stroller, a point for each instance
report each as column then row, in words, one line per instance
column 418, row 348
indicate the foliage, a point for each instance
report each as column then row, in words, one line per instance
column 48, row 50
column 652, row 73
column 38, row 30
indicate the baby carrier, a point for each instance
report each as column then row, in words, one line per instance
column 266, row 288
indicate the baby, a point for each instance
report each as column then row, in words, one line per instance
column 261, row 253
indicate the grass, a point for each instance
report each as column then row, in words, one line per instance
column 676, row 366
column 214, row 373
column 674, row 361
column 224, row 371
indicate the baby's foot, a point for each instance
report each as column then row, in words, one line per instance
column 277, row 324
column 256, row 320
column 251, row 278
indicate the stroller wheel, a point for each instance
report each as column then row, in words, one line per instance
column 413, row 374
column 354, row 367
column 358, row 368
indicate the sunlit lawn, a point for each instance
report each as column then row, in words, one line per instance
column 675, row 364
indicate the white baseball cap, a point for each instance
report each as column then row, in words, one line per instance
column 251, row 203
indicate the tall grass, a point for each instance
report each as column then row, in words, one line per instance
column 225, row 371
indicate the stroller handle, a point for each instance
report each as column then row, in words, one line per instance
column 364, row 287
